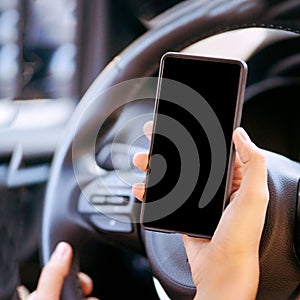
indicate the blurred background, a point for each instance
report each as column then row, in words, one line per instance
column 54, row 48
column 38, row 48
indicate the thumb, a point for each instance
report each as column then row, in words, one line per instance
column 254, row 169
column 244, row 218
column 53, row 274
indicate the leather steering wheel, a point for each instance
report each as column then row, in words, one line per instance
column 67, row 213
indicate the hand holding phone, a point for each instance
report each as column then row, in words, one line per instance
column 198, row 105
column 239, row 229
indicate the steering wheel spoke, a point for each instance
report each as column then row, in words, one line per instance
column 108, row 204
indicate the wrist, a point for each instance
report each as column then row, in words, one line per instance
column 232, row 279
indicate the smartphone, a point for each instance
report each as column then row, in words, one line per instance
column 198, row 105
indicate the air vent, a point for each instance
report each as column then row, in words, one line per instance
column 19, row 171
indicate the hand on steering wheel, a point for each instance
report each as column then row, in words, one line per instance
column 54, row 273
column 227, row 266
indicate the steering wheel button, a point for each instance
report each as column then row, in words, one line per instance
column 110, row 224
column 117, row 200
column 97, row 199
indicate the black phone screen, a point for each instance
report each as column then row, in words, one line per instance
column 191, row 147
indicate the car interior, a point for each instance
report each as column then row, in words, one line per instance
column 72, row 109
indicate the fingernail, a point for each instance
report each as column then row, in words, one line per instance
column 23, row 292
column 139, row 186
column 243, row 134
column 86, row 283
column 135, row 157
column 61, row 251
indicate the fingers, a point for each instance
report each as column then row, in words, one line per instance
column 138, row 190
column 148, row 127
column 86, row 283
column 53, row 274
column 140, row 160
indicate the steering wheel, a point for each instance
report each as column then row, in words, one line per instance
column 78, row 186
